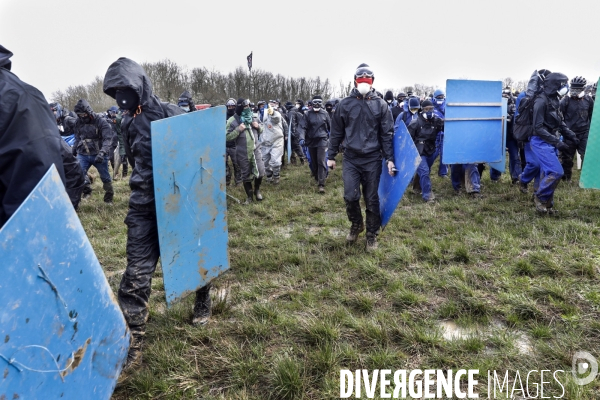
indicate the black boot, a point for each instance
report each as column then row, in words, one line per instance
column 134, row 356
column 257, row 193
column 248, row 189
column 108, row 192
column 202, row 305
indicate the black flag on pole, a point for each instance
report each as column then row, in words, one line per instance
column 249, row 58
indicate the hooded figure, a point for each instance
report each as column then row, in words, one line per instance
column 29, row 139
column 185, row 102
column 295, row 116
column 548, row 126
column 94, row 141
column 127, row 82
column 313, row 132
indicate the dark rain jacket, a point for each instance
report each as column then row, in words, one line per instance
column 424, row 133
column 548, row 122
column 74, row 176
column 295, row 115
column 29, row 139
column 314, row 128
column 366, row 125
column 135, row 127
column 94, row 137
column 577, row 113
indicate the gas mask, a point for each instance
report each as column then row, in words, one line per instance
column 563, row 90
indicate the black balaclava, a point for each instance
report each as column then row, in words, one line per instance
column 389, row 97
column 239, row 107
column 127, row 99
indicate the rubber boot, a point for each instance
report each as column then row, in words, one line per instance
column 108, row 192
column 257, row 193
column 248, row 189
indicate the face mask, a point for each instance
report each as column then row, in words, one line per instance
column 581, row 94
column 363, row 88
column 297, row 106
column 389, row 101
column 439, row 101
column 428, row 115
column 186, row 108
column 563, row 90
column 414, row 110
column 127, row 99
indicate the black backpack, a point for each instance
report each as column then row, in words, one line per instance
column 523, row 123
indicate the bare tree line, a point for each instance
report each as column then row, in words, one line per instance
column 213, row 87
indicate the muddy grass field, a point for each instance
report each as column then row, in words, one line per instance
column 461, row 283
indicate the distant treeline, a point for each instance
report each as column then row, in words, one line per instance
column 169, row 80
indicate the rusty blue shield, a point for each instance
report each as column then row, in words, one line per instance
column 188, row 155
column 63, row 334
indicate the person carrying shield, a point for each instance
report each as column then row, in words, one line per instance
column 127, row 83
column 364, row 121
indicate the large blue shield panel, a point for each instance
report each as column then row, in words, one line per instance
column 474, row 124
column 188, row 152
column 63, row 334
column 501, row 165
column 391, row 189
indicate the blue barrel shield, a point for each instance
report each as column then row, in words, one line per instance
column 407, row 160
column 474, row 127
column 188, row 155
column 63, row 333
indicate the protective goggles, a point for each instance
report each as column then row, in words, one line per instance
column 82, row 115
column 428, row 108
column 363, row 72
column 245, row 103
column 317, row 103
column 442, row 97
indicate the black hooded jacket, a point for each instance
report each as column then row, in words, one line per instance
column 296, row 115
column 577, row 113
column 548, row 122
column 188, row 97
column 366, row 125
column 424, row 133
column 95, row 136
column 135, row 127
column 29, row 139
column 314, row 128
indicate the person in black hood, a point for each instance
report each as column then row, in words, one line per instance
column 231, row 150
column 94, row 140
column 296, row 115
column 29, row 139
column 127, row 82
column 365, row 122
column 424, row 131
column 577, row 110
column 185, row 102
column 548, row 126
column 313, row 132
column 389, row 98
column 65, row 119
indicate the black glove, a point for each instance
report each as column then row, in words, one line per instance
column 99, row 158
column 74, row 151
column 562, row 146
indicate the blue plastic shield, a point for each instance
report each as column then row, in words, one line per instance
column 501, row 165
column 474, row 124
column 188, row 154
column 63, row 334
column 391, row 189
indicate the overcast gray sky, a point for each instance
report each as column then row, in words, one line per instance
column 61, row 43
